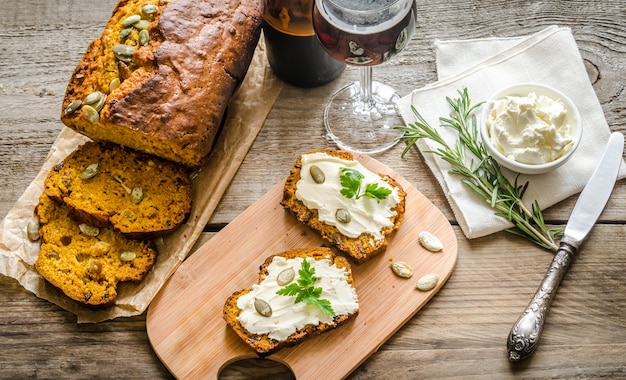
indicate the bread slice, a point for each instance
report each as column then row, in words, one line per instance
column 87, row 268
column 139, row 194
column 263, row 342
column 360, row 248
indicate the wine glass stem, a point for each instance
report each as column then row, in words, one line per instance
column 366, row 86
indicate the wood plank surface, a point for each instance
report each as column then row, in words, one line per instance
column 187, row 314
column 460, row 333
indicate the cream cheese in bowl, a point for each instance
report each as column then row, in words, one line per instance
column 530, row 128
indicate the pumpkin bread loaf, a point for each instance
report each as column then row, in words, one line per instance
column 160, row 76
column 84, row 262
column 139, row 194
column 358, row 226
column 279, row 320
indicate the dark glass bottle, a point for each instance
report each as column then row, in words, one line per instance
column 293, row 50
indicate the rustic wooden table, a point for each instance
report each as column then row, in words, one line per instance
column 461, row 333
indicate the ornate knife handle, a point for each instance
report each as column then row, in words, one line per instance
column 524, row 336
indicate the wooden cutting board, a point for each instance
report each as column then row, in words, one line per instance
column 184, row 321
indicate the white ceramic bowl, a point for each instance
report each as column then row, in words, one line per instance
column 523, row 89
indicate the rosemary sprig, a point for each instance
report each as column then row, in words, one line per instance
column 482, row 174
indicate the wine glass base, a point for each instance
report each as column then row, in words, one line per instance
column 363, row 127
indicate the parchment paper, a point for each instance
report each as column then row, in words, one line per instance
column 245, row 117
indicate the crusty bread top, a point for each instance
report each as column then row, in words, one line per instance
column 262, row 343
column 175, row 89
column 360, row 248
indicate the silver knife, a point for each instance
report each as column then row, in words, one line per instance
column 524, row 336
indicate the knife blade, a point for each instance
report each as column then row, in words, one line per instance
column 525, row 333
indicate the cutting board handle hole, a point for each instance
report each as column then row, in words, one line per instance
column 247, row 369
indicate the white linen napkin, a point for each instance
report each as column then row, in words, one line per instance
column 483, row 66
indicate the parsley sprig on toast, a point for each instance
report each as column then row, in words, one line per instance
column 305, row 291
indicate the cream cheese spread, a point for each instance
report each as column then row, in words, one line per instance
column 367, row 214
column 530, row 129
column 287, row 316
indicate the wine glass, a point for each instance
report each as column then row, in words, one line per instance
column 361, row 116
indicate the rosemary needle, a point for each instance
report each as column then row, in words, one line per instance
column 480, row 172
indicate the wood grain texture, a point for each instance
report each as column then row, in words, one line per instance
column 460, row 333
column 187, row 314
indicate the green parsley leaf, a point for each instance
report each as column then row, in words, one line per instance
column 376, row 192
column 305, row 291
column 350, row 180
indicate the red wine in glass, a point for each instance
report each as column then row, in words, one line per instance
column 367, row 45
column 360, row 117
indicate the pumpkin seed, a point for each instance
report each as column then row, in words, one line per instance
column 91, row 114
column 89, row 171
column 136, row 195
column 115, row 84
column 342, row 215
column 100, row 248
column 123, row 71
column 144, row 37
column 128, row 214
column 53, row 255
column 127, row 256
column 126, row 32
column 285, row 276
column 149, row 9
column 317, row 174
column 95, row 269
column 96, row 100
column 32, row 230
column 430, row 241
column 402, row 269
column 123, row 52
column 262, row 307
column 427, row 282
column 142, row 24
column 73, row 106
column 98, row 106
column 93, row 98
column 130, row 20
column 66, row 179
column 88, row 230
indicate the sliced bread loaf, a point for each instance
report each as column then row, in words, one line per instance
column 85, row 262
column 139, row 194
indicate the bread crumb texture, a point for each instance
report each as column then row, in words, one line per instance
column 87, row 268
column 160, row 203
